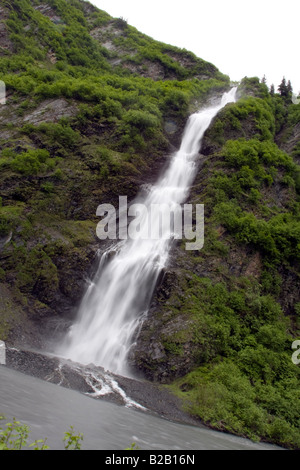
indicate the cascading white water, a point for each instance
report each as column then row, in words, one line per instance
column 119, row 296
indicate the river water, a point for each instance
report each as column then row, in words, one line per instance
column 49, row 410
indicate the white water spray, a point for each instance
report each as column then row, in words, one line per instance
column 117, row 300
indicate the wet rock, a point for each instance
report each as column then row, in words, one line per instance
column 50, row 111
column 5, row 42
column 99, row 384
column 48, row 11
column 171, row 127
column 5, row 240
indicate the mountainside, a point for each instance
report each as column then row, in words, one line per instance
column 224, row 319
column 80, row 127
column 93, row 110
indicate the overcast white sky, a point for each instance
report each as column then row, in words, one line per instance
column 241, row 38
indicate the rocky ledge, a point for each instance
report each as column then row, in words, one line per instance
column 100, row 384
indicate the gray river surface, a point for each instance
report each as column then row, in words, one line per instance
column 49, row 410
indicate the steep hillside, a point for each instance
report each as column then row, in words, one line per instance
column 223, row 322
column 93, row 110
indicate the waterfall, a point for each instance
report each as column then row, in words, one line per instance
column 117, row 299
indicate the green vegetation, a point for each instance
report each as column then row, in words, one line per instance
column 224, row 397
column 85, row 121
column 245, row 316
column 246, row 382
column 14, row 436
column 81, row 126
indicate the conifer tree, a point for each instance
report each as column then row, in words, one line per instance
column 285, row 89
column 289, row 87
column 282, row 88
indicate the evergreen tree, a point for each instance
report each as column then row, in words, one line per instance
column 272, row 90
column 289, row 87
column 285, row 89
column 282, row 88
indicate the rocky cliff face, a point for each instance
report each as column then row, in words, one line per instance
column 176, row 337
column 93, row 110
column 5, row 42
column 88, row 117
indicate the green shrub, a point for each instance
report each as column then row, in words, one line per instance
column 224, row 397
column 62, row 134
column 5, row 226
column 141, row 120
column 30, row 162
column 15, row 437
column 37, row 272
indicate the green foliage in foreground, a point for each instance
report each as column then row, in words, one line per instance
column 15, row 436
